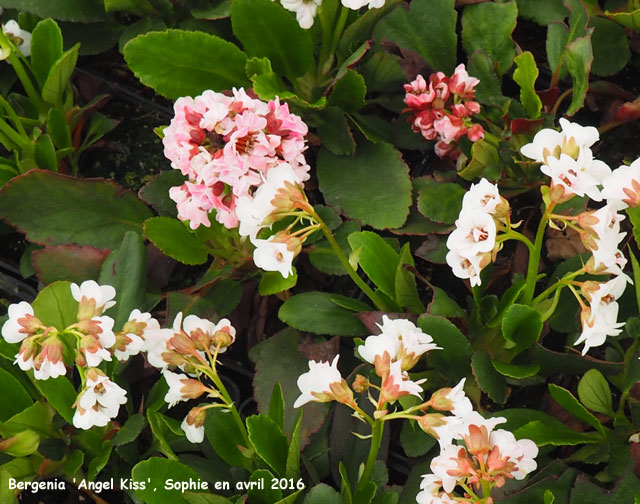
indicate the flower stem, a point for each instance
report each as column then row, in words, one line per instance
column 534, row 257
column 376, row 439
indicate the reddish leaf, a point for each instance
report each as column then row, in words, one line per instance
column 628, row 111
column 528, row 126
column 74, row 263
column 549, row 96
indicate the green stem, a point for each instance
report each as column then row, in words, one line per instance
column 514, row 235
column 376, row 439
column 12, row 134
column 534, row 258
column 342, row 20
column 375, row 299
column 34, row 96
column 630, row 353
column 325, row 46
column 563, row 282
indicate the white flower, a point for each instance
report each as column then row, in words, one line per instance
column 431, row 491
column 413, row 342
column 577, row 176
column 156, row 343
column 358, row 4
column 49, row 369
column 443, row 463
column 175, row 382
column 462, row 406
column 305, row 10
column 551, row 143
column 376, row 346
column 99, row 402
column 605, row 252
column 135, row 332
column 398, row 384
column 272, row 256
column 101, row 295
column 475, row 234
column 21, row 38
column 621, row 189
column 315, row 385
column 16, row 328
column 482, row 197
column 194, row 433
column 466, row 266
column 522, row 453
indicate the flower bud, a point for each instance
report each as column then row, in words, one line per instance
column 477, row 441
column 222, row 338
column 341, row 392
column 21, row 445
column 182, row 344
column 429, row 421
column 360, row 384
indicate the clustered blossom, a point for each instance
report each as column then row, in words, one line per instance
column 472, row 245
column 42, row 347
column 393, row 352
column 226, row 146
column 441, row 110
column 191, row 346
column 566, row 157
column 305, row 10
column 20, row 38
column 488, row 457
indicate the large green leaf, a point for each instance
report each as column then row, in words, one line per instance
column 373, row 185
column 70, row 210
column 377, row 258
column 224, row 436
column 525, row 76
column 323, row 313
column 269, row 441
column 156, row 192
column 594, row 392
column 14, row 397
column 557, row 434
column 46, row 48
column 55, row 305
column 488, row 379
column 610, row 46
column 490, row 86
column 174, row 239
column 568, row 401
column 322, row 494
column 60, row 393
column 334, row 131
column 349, row 92
column 542, row 11
column 428, row 28
column 440, row 201
column 488, row 26
column 521, row 327
column 266, row 29
column 68, row 10
column 185, row 63
column 156, row 472
column 455, row 354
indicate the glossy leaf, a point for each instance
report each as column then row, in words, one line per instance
column 272, row 282
column 266, row 29
column 428, row 28
column 481, row 67
column 60, row 393
column 488, row 26
column 542, row 11
column 377, row 259
column 55, row 305
column 334, row 131
column 174, row 240
column 269, row 441
column 130, row 431
column 517, row 371
column 178, row 63
column 59, row 75
column 14, row 398
column 594, row 392
column 68, row 10
column 556, row 434
column 567, row 400
column 441, row 304
column 319, row 313
column 46, row 48
column 578, row 58
column 224, row 436
column 406, row 290
column 349, row 92
column 68, row 262
column 525, row 76
column 456, row 351
column 521, row 327
column 70, row 210
column 440, row 201
column 156, row 192
column 610, row 46
column 488, row 379
column 45, row 154
column 361, row 185
column 58, row 129
column 158, row 471
column 322, row 494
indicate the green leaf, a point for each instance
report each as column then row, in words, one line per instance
column 130, row 431
column 406, row 290
column 542, row 11
column 58, row 129
column 214, row 302
column 377, row 258
column 440, row 201
column 14, row 397
column 484, row 157
column 71, row 210
column 322, row 494
column 349, row 92
column 272, row 282
column 210, row 9
column 178, row 63
column 60, row 393
column 525, row 76
column 55, row 306
column 319, row 313
column 377, row 179
column 163, row 433
column 334, row 131
column 68, row 10
column 156, row 192
column 276, row 406
column 58, row 78
column 293, row 454
column 224, row 436
column 543, row 433
column 578, row 58
column 45, row 154
column 507, row 300
column 428, row 28
column 266, row 29
column 269, row 441
column 68, row 262
column 594, row 392
column 98, row 462
column 139, row 7
column 610, row 46
column 46, row 48
column 127, row 274
column 158, row 471
column 517, row 371
column 521, row 327
column 490, row 85
column 453, row 359
column 441, row 304
column 567, row 400
column 322, row 255
column 204, row 498
column 488, row 379
column 261, row 491
column 415, row 442
column 173, row 238
column 280, row 361
column 488, row 26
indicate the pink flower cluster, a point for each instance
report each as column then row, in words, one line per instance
column 226, row 145
column 441, row 110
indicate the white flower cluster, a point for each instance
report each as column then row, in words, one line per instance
column 42, row 348
column 488, row 455
column 567, row 158
column 472, row 245
column 305, row 10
